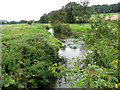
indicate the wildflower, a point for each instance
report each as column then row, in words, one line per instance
column 116, row 86
column 114, row 68
column 104, row 68
column 93, row 74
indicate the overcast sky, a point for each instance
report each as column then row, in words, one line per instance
column 32, row 9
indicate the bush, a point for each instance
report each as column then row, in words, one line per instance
column 29, row 22
column 61, row 28
column 102, row 39
column 25, row 62
column 46, row 27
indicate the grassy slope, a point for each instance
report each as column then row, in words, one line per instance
column 20, row 31
column 26, row 43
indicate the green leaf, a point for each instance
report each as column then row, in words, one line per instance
column 12, row 81
column 6, row 84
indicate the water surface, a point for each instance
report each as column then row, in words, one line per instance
column 72, row 48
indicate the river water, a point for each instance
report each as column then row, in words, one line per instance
column 73, row 48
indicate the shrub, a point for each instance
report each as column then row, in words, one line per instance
column 61, row 28
column 29, row 22
column 46, row 27
column 25, row 62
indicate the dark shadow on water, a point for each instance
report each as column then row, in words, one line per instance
column 61, row 36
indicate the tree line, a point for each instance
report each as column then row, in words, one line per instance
column 18, row 22
column 76, row 12
column 72, row 13
column 113, row 8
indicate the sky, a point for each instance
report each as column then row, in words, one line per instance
column 33, row 9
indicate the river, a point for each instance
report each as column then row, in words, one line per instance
column 73, row 48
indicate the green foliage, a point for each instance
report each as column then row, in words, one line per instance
column 7, row 80
column 30, row 22
column 113, row 8
column 87, row 77
column 61, row 28
column 46, row 27
column 102, row 34
column 25, row 60
column 69, row 13
column 44, row 18
column 99, row 69
column 79, row 10
column 57, row 16
column 57, row 19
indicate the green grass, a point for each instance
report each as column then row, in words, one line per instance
column 16, row 32
column 79, row 30
column 79, row 27
column 106, row 14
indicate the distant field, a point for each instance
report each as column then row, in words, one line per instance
column 106, row 14
column 79, row 27
column 79, row 30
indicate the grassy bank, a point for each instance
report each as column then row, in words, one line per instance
column 28, row 51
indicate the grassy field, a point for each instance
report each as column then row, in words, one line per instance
column 78, row 30
column 17, row 30
column 79, row 27
column 106, row 14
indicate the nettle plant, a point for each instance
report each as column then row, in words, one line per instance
column 25, row 62
column 99, row 69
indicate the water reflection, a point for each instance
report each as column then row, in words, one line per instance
column 69, row 52
column 51, row 31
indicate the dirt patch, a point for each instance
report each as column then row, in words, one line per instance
column 113, row 17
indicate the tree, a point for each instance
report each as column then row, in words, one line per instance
column 13, row 22
column 23, row 21
column 77, row 11
column 105, row 8
column 69, row 9
column 44, row 19
column 30, row 22
column 58, row 15
column 57, row 19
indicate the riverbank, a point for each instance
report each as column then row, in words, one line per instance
column 99, row 68
column 27, row 52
